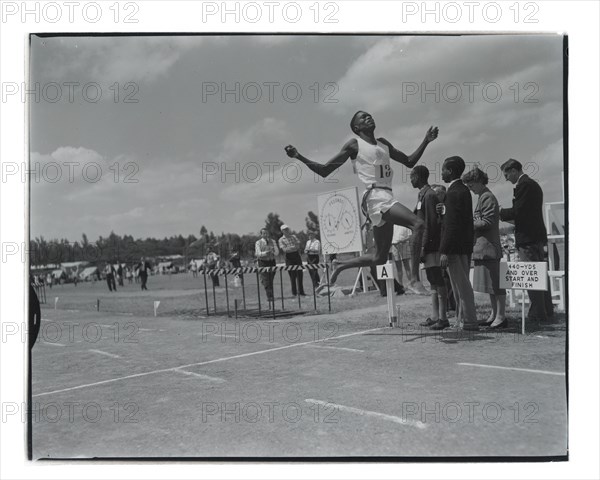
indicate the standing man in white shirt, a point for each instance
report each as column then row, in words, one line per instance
column 312, row 250
column 290, row 245
column 266, row 250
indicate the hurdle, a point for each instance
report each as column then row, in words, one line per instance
column 247, row 310
column 40, row 291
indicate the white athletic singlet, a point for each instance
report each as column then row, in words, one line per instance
column 372, row 164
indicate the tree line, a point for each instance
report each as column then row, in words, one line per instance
column 125, row 249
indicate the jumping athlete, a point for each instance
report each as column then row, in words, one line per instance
column 371, row 158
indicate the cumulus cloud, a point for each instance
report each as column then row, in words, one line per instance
column 240, row 143
column 107, row 60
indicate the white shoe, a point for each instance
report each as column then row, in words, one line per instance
column 417, row 289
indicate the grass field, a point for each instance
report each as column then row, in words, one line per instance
column 121, row 382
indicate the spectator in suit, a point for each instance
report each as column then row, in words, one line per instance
column 266, row 250
column 427, row 200
column 290, row 245
column 456, row 245
column 313, row 250
column 144, row 267
column 440, row 190
column 487, row 250
column 530, row 231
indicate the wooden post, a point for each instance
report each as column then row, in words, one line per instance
column 243, row 290
column 227, row 294
column 258, row 290
column 328, row 291
column 314, row 292
column 281, row 286
column 523, row 311
column 214, row 293
column 206, row 293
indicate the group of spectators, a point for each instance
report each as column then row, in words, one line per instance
column 267, row 249
column 136, row 273
column 456, row 235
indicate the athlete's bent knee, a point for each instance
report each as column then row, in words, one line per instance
column 380, row 258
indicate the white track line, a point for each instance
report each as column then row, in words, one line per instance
column 54, row 343
column 112, row 355
column 545, row 372
column 368, row 413
column 208, row 362
column 199, row 375
column 336, row 348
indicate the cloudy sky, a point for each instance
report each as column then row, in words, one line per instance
column 166, row 148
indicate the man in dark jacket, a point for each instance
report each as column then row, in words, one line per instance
column 427, row 200
column 530, row 231
column 144, row 268
column 456, row 245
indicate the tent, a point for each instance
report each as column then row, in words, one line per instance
column 88, row 273
column 164, row 266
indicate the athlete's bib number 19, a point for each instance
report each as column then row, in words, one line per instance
column 385, row 171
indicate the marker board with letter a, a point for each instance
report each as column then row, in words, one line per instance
column 340, row 221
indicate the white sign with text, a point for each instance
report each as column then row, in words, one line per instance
column 524, row 275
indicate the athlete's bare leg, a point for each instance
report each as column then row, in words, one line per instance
column 400, row 215
column 397, row 215
column 383, row 241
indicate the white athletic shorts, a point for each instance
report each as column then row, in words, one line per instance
column 378, row 202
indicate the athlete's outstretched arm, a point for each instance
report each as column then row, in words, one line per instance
column 411, row 160
column 349, row 150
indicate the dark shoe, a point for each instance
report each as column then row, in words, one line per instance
column 400, row 290
column 503, row 324
column 439, row 325
column 536, row 319
column 486, row 324
column 428, row 323
column 471, row 328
